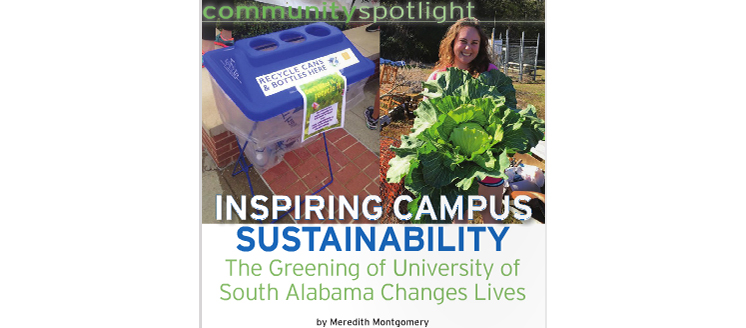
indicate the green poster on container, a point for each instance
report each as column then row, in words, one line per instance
column 323, row 104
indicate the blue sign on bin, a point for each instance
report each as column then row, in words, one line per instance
column 259, row 74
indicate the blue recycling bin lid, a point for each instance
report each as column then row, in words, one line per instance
column 260, row 74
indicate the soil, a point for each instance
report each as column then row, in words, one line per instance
column 397, row 129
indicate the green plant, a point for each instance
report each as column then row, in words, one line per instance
column 464, row 130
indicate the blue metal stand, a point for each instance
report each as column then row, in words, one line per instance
column 245, row 169
column 244, row 166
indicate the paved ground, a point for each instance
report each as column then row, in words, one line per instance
column 354, row 156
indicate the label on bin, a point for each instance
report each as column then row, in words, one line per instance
column 323, row 104
column 322, row 118
column 305, row 72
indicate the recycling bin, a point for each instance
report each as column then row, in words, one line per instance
column 254, row 83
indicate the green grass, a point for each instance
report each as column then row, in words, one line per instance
column 531, row 94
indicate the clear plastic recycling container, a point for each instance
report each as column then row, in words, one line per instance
column 254, row 85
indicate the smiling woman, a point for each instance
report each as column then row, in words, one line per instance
column 464, row 46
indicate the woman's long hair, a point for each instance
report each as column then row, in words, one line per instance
column 445, row 52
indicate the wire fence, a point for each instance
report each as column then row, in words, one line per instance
column 517, row 57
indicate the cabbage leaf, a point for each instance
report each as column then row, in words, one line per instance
column 464, row 130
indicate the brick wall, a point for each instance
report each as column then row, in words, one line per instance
column 223, row 147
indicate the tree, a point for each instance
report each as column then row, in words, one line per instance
column 419, row 41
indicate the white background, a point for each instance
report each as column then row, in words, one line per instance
column 525, row 243
column 101, row 161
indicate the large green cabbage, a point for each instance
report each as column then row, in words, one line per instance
column 463, row 131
